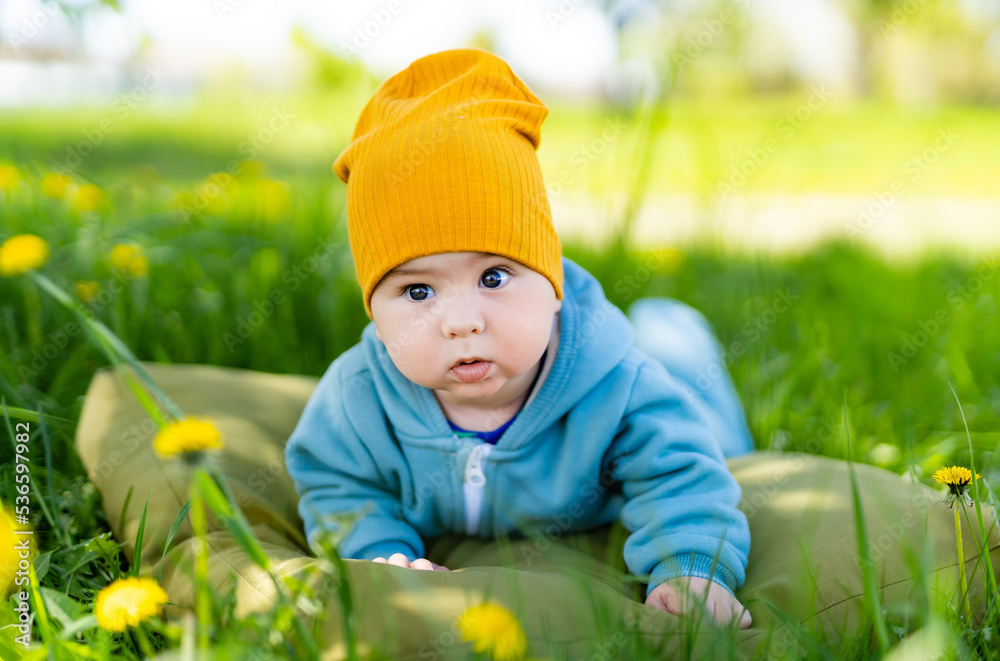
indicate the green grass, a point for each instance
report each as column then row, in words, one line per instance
column 839, row 147
column 846, row 330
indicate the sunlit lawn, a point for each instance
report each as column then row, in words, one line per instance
column 888, row 340
column 819, row 146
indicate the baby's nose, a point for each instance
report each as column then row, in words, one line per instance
column 462, row 319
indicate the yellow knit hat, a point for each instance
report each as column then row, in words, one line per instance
column 443, row 160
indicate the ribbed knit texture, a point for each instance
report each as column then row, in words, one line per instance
column 443, row 160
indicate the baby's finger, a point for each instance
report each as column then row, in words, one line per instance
column 422, row 563
column 673, row 603
column 399, row 560
column 440, row 568
column 717, row 612
column 381, row 561
column 742, row 615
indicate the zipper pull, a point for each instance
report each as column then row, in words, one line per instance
column 474, row 467
column 472, row 487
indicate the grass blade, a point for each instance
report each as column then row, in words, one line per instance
column 983, row 547
column 233, row 520
column 867, row 567
column 173, row 531
column 115, row 351
column 48, row 463
column 28, row 415
column 46, row 512
column 85, row 623
column 137, row 556
column 128, row 499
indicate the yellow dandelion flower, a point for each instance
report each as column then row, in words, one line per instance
column 21, row 253
column 493, row 629
column 184, row 201
column 273, row 199
column 187, row 436
column 129, row 258
column 89, row 198
column 958, row 479
column 955, row 476
column 10, row 177
column 127, row 602
column 12, row 546
column 8, row 554
column 251, row 169
column 212, row 195
column 87, row 290
column 54, row 185
column 223, row 180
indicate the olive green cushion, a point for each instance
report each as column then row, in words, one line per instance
column 803, row 570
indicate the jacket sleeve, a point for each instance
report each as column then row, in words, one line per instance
column 681, row 499
column 342, row 488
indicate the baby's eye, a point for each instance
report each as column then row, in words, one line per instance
column 494, row 278
column 418, row 292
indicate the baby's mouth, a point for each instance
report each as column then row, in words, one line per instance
column 472, row 370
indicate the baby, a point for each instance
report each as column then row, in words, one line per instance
column 497, row 390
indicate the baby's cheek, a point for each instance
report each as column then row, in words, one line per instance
column 520, row 354
column 418, row 367
column 532, row 338
column 406, row 343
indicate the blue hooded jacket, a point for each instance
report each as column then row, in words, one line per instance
column 607, row 434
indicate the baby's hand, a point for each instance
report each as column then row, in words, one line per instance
column 400, row 560
column 673, row 597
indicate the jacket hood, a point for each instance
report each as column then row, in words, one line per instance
column 594, row 338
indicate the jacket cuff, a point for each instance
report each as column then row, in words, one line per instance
column 384, row 550
column 691, row 564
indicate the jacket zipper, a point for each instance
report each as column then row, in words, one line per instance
column 472, row 487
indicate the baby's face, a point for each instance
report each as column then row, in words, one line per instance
column 437, row 312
